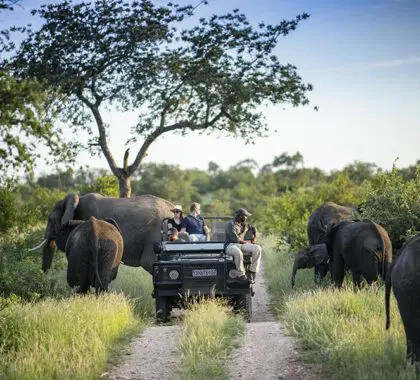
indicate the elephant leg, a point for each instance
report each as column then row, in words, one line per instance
column 320, row 273
column 337, row 270
column 357, row 279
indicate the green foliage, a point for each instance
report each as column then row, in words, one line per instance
column 35, row 203
column 395, row 204
column 22, row 207
column 123, row 53
column 20, row 270
column 358, row 172
column 287, row 215
column 62, row 339
column 169, row 182
column 106, row 185
column 26, row 123
column 8, row 211
column 209, row 334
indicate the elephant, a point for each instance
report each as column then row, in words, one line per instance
column 309, row 257
column 324, row 217
column 94, row 249
column 363, row 247
column 404, row 278
column 139, row 219
column 319, row 224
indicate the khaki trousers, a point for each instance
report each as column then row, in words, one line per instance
column 238, row 250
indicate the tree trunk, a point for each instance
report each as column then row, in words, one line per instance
column 125, row 186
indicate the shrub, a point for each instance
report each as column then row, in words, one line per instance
column 105, row 185
column 20, row 270
column 287, row 215
column 394, row 203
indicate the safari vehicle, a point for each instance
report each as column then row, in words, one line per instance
column 186, row 270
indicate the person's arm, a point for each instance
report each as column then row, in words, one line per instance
column 184, row 225
column 233, row 235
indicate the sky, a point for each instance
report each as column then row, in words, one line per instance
column 363, row 59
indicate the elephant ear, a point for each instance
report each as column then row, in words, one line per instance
column 70, row 204
column 319, row 253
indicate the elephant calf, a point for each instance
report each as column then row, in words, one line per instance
column 362, row 247
column 94, row 250
column 315, row 256
column 404, row 278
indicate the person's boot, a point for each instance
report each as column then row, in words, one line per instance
column 243, row 277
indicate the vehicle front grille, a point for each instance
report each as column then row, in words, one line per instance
column 203, row 284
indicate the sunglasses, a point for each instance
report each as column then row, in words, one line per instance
column 176, row 211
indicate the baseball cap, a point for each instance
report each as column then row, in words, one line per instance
column 242, row 211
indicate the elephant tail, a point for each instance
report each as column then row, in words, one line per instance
column 113, row 222
column 94, row 250
column 387, row 300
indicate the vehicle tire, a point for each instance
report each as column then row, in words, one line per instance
column 243, row 304
column 163, row 308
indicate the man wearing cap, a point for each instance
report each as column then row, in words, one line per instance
column 236, row 246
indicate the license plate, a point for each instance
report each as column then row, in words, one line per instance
column 204, row 272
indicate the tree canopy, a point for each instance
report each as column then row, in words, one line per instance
column 26, row 120
column 211, row 78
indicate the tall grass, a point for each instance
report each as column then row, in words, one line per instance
column 210, row 332
column 343, row 329
column 62, row 339
column 136, row 284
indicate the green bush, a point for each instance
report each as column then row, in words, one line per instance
column 287, row 215
column 23, row 206
column 20, row 270
column 8, row 210
column 106, row 185
column 394, row 203
column 35, row 204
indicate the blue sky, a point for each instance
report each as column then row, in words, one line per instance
column 363, row 58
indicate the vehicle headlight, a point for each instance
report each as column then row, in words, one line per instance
column 173, row 274
column 233, row 273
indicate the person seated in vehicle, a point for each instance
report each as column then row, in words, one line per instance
column 194, row 224
column 236, row 246
column 176, row 221
column 174, row 236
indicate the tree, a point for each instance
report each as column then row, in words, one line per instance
column 290, row 162
column 360, row 171
column 209, row 78
column 25, row 117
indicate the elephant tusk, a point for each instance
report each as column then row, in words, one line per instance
column 39, row 245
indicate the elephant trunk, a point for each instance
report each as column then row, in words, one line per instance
column 47, row 254
column 295, row 268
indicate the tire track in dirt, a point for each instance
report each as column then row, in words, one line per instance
column 153, row 356
column 265, row 351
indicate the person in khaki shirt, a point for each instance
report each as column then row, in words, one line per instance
column 236, row 246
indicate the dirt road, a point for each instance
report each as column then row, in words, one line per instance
column 265, row 353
